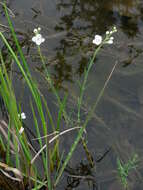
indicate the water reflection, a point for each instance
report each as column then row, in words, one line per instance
column 80, row 20
column 100, row 15
column 24, row 41
column 80, row 174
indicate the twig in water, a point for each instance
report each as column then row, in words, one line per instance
column 51, row 140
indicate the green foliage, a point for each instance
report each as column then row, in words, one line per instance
column 124, row 169
column 23, row 152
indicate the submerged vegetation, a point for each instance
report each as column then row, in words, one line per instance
column 25, row 166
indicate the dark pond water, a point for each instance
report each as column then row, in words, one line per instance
column 69, row 27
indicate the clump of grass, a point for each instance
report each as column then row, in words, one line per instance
column 125, row 168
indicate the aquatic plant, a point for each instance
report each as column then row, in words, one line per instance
column 17, row 139
column 125, row 168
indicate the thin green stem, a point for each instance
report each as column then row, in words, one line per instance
column 52, row 85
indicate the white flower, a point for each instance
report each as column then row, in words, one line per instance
column 21, row 130
column 38, row 39
column 115, row 29
column 107, row 32
column 109, row 42
column 97, row 40
column 22, row 115
column 35, row 30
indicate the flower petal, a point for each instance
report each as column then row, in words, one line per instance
column 110, row 41
column 107, row 32
column 38, row 42
column 42, row 40
column 34, row 39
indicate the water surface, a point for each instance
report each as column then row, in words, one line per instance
column 69, row 27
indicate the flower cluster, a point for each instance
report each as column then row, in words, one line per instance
column 38, row 39
column 108, row 39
